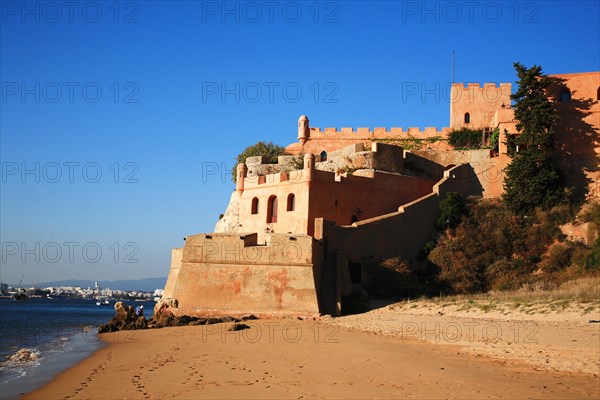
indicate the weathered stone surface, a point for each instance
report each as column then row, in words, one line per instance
column 163, row 304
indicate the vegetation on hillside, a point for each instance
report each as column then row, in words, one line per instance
column 493, row 248
column 488, row 247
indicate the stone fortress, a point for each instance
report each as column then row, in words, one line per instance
column 296, row 234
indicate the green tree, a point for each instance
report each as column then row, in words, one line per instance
column 269, row 151
column 532, row 179
column 452, row 208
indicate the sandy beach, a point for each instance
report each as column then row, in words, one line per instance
column 373, row 355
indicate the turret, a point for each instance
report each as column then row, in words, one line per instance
column 309, row 166
column 242, row 172
column 303, row 129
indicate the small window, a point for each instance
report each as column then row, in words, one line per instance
column 254, row 209
column 272, row 210
column 291, row 202
column 565, row 97
column 598, row 94
column 467, row 118
column 323, row 155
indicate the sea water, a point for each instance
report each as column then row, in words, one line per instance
column 60, row 332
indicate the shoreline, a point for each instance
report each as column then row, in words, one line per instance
column 300, row 359
column 82, row 346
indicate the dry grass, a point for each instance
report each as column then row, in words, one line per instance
column 582, row 294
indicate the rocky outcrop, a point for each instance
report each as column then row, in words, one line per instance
column 24, row 356
column 165, row 304
column 125, row 318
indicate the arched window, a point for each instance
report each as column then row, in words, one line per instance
column 291, row 202
column 598, row 93
column 323, row 155
column 565, row 96
column 272, row 210
column 467, row 118
column 254, row 209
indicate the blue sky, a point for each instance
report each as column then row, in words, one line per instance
column 112, row 113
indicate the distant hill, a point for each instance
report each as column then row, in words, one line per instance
column 147, row 284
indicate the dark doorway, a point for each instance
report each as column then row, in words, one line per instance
column 272, row 210
column 355, row 273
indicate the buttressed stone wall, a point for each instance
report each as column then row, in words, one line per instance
column 230, row 274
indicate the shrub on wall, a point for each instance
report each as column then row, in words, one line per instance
column 495, row 139
column 466, row 139
column 411, row 142
column 269, row 151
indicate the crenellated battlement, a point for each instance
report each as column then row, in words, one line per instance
column 471, row 86
column 377, row 132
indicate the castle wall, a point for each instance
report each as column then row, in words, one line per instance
column 229, row 274
column 173, row 277
column 578, row 131
column 401, row 233
column 379, row 156
column 488, row 171
column 361, row 196
column 332, row 139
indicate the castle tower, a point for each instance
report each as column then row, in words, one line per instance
column 303, row 129
column 474, row 106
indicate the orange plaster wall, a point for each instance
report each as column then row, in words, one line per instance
column 578, row 132
column 376, row 194
column 481, row 102
column 228, row 274
column 287, row 221
column 373, row 197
